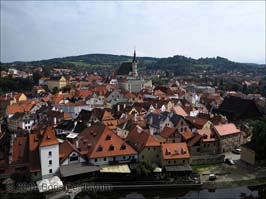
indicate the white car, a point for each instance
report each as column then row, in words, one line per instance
column 212, row 176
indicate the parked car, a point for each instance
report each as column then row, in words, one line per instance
column 229, row 161
column 212, row 176
column 236, row 150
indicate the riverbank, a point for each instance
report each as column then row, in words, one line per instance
column 230, row 184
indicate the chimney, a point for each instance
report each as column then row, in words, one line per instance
column 54, row 120
column 77, row 143
column 118, row 107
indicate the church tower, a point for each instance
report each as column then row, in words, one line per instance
column 134, row 65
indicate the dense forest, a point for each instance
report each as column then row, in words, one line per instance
column 186, row 65
column 177, row 64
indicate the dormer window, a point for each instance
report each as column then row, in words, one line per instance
column 48, row 137
column 111, row 148
column 100, row 148
column 123, row 147
column 108, row 137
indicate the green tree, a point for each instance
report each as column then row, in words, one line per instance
column 36, row 76
column 55, row 90
column 259, row 137
column 144, row 168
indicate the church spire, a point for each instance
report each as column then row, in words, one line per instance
column 134, row 65
column 134, row 58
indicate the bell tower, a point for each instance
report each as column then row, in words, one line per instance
column 134, row 65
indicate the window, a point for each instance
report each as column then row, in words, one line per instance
column 108, row 137
column 104, row 159
column 148, row 148
column 50, row 162
column 183, row 161
column 50, row 170
column 123, row 147
column 73, row 158
column 124, row 157
column 168, row 161
column 50, row 153
column 95, row 160
column 100, row 148
column 142, row 156
column 111, row 148
column 175, row 162
column 154, row 148
column 157, row 156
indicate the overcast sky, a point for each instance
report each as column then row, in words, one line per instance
column 34, row 30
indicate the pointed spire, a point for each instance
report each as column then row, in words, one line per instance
column 134, row 58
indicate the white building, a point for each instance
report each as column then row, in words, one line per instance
column 49, row 154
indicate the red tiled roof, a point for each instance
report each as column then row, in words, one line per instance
column 180, row 111
column 167, row 132
column 65, row 149
column 48, row 138
column 34, row 153
column 197, row 122
column 187, row 135
column 19, row 108
column 99, row 141
column 141, row 138
column 207, row 135
column 20, row 150
column 175, row 150
column 226, row 129
column 195, row 139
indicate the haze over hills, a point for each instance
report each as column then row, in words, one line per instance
column 177, row 64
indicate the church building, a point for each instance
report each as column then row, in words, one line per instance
column 128, row 77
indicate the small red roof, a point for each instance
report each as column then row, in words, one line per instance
column 65, row 149
column 48, row 138
column 175, row 150
column 167, row 132
column 226, row 129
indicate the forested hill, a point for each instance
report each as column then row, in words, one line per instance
column 177, row 64
column 181, row 64
column 88, row 61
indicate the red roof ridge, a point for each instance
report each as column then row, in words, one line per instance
column 48, row 138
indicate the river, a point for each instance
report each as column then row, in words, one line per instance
column 226, row 193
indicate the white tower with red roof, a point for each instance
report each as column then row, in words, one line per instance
column 49, row 153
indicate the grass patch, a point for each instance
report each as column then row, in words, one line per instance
column 87, row 65
column 205, row 167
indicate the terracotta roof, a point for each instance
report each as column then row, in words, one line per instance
column 65, row 149
column 196, row 121
column 34, row 153
column 207, row 135
column 175, row 151
column 48, row 138
column 22, row 107
column 139, row 138
column 194, row 140
column 20, row 150
column 83, row 93
column 187, row 135
column 226, row 129
column 167, row 132
column 99, row 141
column 159, row 93
column 180, row 111
column 129, row 95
